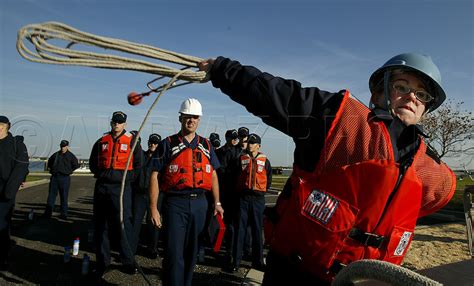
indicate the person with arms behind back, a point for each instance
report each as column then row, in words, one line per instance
column 61, row 165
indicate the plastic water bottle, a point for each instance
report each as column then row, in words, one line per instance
column 31, row 215
column 85, row 264
column 67, row 254
column 75, row 247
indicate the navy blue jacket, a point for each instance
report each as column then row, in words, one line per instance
column 13, row 165
column 62, row 163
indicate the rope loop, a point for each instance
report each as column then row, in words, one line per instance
column 43, row 38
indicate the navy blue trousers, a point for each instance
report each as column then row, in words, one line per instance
column 107, row 226
column 250, row 214
column 140, row 209
column 6, row 212
column 59, row 184
column 183, row 218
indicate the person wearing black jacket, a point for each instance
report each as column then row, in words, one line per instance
column 13, row 170
column 227, row 173
column 107, row 162
column 141, row 201
column 61, row 165
column 405, row 88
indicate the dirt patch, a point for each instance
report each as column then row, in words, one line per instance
column 437, row 245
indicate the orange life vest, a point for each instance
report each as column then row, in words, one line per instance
column 353, row 205
column 188, row 168
column 114, row 154
column 253, row 175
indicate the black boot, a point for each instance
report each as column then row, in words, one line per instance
column 47, row 212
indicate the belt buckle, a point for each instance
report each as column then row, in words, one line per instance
column 368, row 237
column 377, row 242
column 193, row 196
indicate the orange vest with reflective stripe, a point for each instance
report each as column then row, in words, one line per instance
column 253, row 175
column 114, row 154
column 188, row 168
column 356, row 185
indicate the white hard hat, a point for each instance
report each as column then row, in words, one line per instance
column 191, row 106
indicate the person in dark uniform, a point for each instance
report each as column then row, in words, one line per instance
column 243, row 141
column 108, row 162
column 61, row 165
column 13, row 170
column 254, row 180
column 243, row 137
column 215, row 140
column 141, row 200
column 361, row 176
column 227, row 173
column 186, row 164
column 205, row 239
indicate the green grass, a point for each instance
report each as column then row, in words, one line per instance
column 34, row 178
column 278, row 181
column 456, row 203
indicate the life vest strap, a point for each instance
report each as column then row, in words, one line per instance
column 366, row 238
column 337, row 266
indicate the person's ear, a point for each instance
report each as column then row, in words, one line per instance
column 377, row 99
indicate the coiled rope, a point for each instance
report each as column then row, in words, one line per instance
column 382, row 271
column 41, row 36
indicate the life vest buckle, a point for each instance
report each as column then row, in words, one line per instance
column 367, row 238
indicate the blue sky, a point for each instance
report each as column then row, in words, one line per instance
column 330, row 44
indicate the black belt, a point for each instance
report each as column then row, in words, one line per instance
column 366, row 238
column 188, row 196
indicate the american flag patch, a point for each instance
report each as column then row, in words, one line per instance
column 320, row 206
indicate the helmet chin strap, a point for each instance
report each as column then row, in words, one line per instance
column 386, row 92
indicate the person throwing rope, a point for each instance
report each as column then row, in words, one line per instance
column 361, row 176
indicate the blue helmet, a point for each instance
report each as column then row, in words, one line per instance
column 421, row 64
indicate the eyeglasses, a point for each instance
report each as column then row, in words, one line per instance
column 115, row 122
column 421, row 95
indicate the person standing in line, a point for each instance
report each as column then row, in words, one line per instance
column 243, row 137
column 243, row 142
column 141, row 201
column 215, row 140
column 108, row 161
column 13, row 171
column 60, row 165
column 254, row 180
column 186, row 164
column 228, row 156
column 205, row 239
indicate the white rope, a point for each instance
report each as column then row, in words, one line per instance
column 43, row 36
column 382, row 271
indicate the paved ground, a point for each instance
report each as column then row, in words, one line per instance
column 38, row 255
